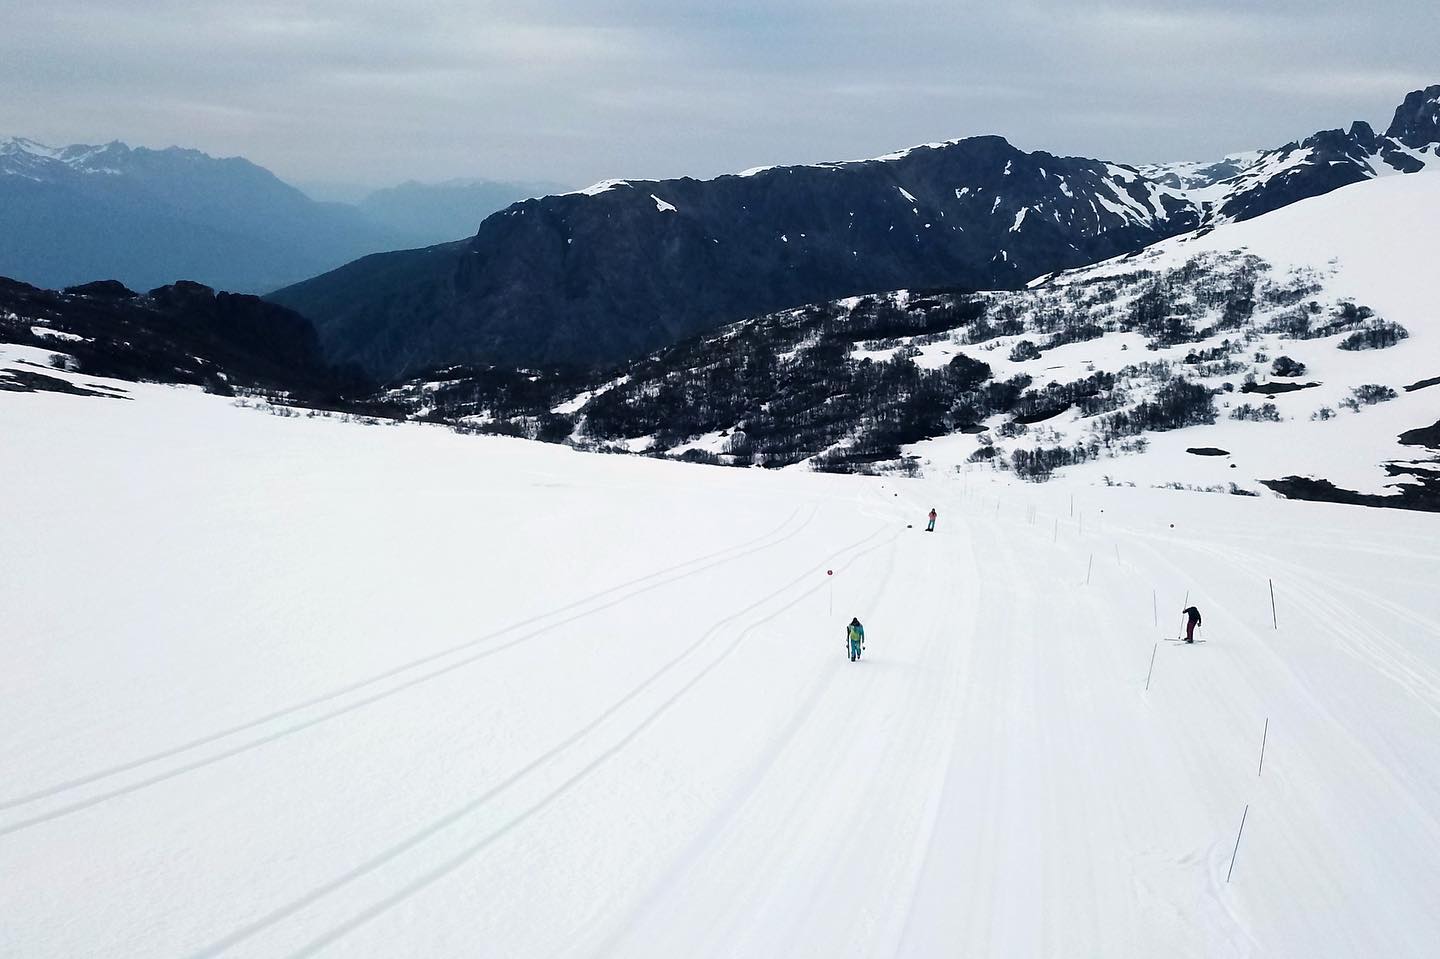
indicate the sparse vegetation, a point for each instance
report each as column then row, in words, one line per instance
column 1368, row 395
column 1285, row 366
column 847, row 385
column 1039, row 464
column 1177, row 404
column 1262, row 413
column 1375, row 335
column 1024, row 350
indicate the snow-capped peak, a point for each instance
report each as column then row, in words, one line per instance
column 20, row 156
column 16, row 145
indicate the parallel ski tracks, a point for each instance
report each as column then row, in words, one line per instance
column 475, row 648
column 819, row 763
column 753, row 616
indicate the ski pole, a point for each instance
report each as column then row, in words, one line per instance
column 1236, row 851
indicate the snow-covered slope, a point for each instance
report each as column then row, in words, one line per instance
column 1373, row 243
column 1298, row 344
column 286, row 686
column 1328, row 160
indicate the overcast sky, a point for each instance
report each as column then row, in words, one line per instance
column 365, row 92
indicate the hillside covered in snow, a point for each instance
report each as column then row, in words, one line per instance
column 1295, row 351
column 293, row 664
column 1291, row 353
column 282, row 686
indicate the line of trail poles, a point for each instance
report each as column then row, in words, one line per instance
column 1032, row 514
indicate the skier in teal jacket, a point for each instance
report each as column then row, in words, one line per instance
column 855, row 639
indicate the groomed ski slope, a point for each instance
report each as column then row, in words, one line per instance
column 293, row 687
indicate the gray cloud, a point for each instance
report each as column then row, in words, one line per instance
column 364, row 91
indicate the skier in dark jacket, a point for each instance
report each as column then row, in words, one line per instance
column 931, row 527
column 855, row 639
column 1192, row 619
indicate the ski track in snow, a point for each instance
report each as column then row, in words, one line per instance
column 469, row 852
column 741, row 551
column 687, row 764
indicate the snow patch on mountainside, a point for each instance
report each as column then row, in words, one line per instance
column 1201, row 181
column 604, row 186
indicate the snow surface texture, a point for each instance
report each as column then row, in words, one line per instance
column 290, row 687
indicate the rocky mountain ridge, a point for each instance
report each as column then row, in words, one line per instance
column 627, row 266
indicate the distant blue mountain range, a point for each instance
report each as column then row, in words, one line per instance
column 149, row 217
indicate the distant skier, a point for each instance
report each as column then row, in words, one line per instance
column 931, row 527
column 855, row 639
column 1192, row 619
